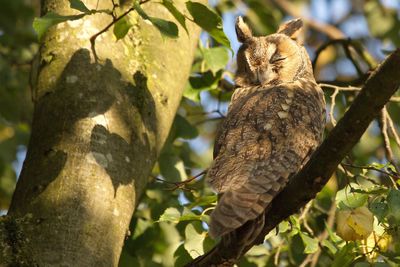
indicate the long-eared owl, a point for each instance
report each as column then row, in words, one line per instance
column 275, row 121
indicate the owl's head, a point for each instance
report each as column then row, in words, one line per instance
column 270, row 59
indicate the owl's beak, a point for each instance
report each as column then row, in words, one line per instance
column 263, row 76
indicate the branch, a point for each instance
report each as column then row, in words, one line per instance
column 303, row 187
column 351, row 48
column 331, row 31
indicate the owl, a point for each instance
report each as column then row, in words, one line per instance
column 274, row 122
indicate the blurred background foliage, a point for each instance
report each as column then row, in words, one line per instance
column 354, row 220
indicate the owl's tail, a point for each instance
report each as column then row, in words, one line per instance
column 235, row 208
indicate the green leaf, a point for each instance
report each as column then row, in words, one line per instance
column 311, row 244
column 121, row 28
column 184, row 129
column 79, row 5
column 393, row 200
column 208, row 21
column 204, row 201
column 42, row 24
column 215, row 58
column 205, row 218
column 199, row 82
column 363, row 264
column 381, row 264
column 345, row 198
column 379, row 209
column 170, row 215
column 378, row 19
column 332, row 235
column 294, row 225
column 284, row 226
column 194, row 241
column 190, row 217
column 141, row 226
column 344, row 257
column 167, row 28
column 328, row 244
column 191, row 93
column 205, row 80
column 171, row 167
column 181, row 256
column 258, row 251
column 175, row 12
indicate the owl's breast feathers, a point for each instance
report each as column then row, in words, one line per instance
column 268, row 135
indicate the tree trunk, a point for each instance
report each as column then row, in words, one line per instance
column 97, row 130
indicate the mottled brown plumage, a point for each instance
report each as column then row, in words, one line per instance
column 275, row 121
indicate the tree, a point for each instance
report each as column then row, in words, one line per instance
column 110, row 80
column 98, row 126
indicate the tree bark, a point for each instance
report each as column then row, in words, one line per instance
column 97, row 130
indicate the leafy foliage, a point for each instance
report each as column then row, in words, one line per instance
column 169, row 227
column 17, row 50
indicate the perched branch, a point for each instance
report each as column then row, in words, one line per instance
column 303, row 187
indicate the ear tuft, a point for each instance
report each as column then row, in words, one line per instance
column 291, row 28
column 243, row 31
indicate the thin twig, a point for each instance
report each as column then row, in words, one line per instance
column 277, row 254
column 384, row 130
column 350, row 48
column 333, row 97
column 304, row 219
column 347, row 51
column 313, row 258
column 346, row 82
column 390, row 174
column 332, row 109
column 181, row 184
column 385, row 133
column 339, row 88
column 93, row 38
column 208, row 120
column 350, row 89
column 324, row 235
column 393, row 131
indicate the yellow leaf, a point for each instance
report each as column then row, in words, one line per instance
column 356, row 224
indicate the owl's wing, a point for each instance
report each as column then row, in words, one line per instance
column 265, row 138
